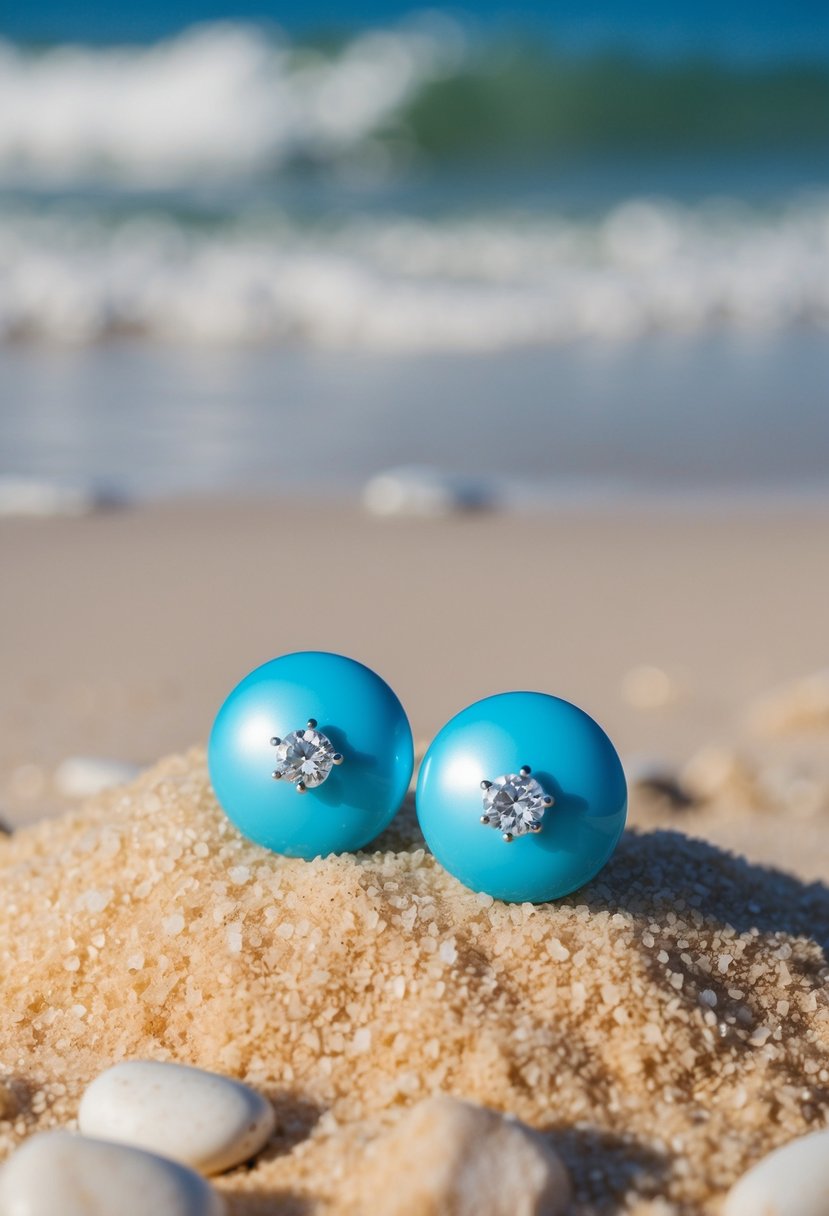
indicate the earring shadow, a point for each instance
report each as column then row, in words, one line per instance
column 331, row 792
column 564, row 821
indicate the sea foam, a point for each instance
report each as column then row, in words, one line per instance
column 388, row 283
column 107, row 155
column 230, row 99
column 217, row 99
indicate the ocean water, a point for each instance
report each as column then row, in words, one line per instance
column 422, row 203
column 711, row 418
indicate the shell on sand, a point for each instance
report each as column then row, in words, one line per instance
column 663, row 1028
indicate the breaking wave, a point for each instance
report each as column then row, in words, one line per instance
column 233, row 99
column 390, row 284
column 107, row 155
column 222, row 99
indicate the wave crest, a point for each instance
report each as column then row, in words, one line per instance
column 221, row 99
column 389, row 284
column 226, row 100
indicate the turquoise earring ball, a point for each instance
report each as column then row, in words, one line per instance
column 311, row 754
column 551, row 825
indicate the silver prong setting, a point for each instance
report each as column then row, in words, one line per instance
column 305, row 757
column 515, row 804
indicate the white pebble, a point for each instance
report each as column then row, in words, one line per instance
column 791, row 1181
column 60, row 1172
column 209, row 1122
column 423, row 492
column 85, row 776
column 28, row 496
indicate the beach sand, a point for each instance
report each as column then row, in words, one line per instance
column 664, row 1027
column 124, row 631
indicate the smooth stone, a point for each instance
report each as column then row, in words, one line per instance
column 424, row 492
column 63, row 1174
column 85, row 776
column 29, row 496
column 791, row 1181
column 205, row 1120
column 447, row 1156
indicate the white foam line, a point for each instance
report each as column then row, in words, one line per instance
column 413, row 285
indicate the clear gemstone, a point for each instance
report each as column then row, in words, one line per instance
column 306, row 756
column 514, row 804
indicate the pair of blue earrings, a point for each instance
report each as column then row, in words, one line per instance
column 521, row 795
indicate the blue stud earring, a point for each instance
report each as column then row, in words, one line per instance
column 313, row 724
column 543, row 775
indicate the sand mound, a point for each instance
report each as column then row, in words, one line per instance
column 665, row 1026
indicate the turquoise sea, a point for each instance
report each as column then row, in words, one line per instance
column 583, row 252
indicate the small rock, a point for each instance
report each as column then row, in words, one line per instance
column 207, row 1121
column 423, row 492
column 85, row 776
column 28, row 496
column 791, row 1181
column 63, row 1173
column 450, row 1158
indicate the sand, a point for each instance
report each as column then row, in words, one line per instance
column 664, row 1027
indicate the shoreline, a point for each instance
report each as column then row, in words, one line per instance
column 30, row 498
column 578, row 422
